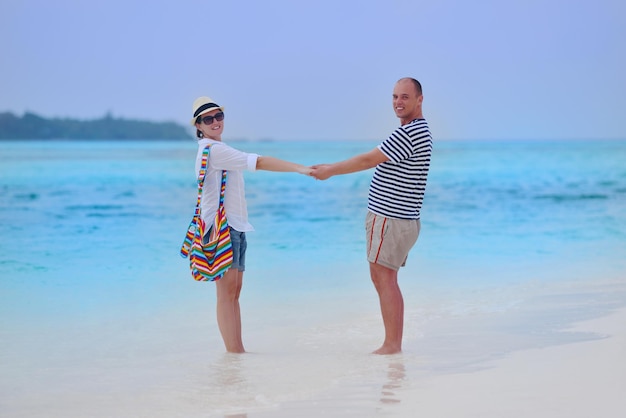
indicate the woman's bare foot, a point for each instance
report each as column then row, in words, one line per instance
column 384, row 350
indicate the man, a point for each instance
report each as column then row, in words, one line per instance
column 394, row 202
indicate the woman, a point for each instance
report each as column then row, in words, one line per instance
column 208, row 118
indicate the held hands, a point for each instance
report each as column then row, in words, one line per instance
column 318, row 171
column 305, row 170
column 321, row 171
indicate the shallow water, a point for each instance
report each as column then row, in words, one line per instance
column 100, row 314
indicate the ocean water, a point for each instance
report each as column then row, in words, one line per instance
column 99, row 315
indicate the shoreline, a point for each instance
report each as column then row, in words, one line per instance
column 571, row 380
column 510, row 351
column 579, row 379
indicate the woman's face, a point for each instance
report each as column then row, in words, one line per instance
column 214, row 128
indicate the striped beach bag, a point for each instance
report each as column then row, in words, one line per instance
column 208, row 261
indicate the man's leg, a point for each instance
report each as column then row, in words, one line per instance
column 391, row 306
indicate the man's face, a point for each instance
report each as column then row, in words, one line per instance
column 406, row 102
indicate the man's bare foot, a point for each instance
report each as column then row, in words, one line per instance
column 384, row 350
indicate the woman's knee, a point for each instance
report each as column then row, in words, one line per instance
column 230, row 285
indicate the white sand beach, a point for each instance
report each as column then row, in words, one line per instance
column 576, row 380
column 541, row 358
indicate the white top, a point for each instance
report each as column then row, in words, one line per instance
column 224, row 157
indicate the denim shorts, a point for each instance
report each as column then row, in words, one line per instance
column 239, row 249
column 238, row 239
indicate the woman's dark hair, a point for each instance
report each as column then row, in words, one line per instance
column 199, row 133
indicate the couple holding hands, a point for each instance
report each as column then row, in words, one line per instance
column 394, row 202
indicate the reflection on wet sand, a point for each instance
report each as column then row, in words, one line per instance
column 395, row 376
column 228, row 372
column 229, row 378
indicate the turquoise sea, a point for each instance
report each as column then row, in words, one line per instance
column 99, row 315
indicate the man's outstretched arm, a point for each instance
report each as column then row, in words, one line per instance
column 359, row 162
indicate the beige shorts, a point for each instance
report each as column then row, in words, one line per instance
column 389, row 240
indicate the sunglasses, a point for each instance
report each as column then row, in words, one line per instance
column 208, row 120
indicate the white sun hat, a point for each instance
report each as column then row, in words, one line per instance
column 203, row 105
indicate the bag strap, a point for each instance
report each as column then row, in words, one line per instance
column 184, row 251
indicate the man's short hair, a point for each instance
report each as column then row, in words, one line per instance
column 418, row 86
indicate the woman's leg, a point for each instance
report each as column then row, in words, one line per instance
column 228, row 311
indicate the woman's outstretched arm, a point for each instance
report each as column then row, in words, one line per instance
column 275, row 164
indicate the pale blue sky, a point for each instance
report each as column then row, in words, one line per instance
column 324, row 69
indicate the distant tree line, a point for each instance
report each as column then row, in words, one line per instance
column 32, row 126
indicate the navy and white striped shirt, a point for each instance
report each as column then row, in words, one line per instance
column 397, row 188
